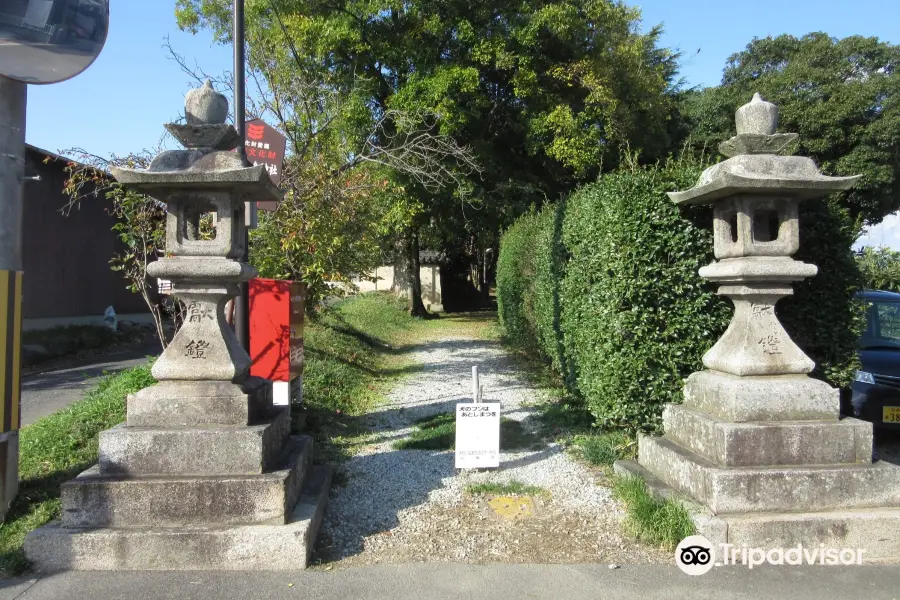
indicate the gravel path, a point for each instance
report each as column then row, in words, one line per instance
column 412, row 505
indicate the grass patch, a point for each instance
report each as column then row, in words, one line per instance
column 509, row 488
column 432, row 433
column 603, row 449
column 351, row 361
column 56, row 448
column 657, row 521
column 438, row 432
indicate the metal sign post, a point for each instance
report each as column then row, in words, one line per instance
column 242, row 303
column 40, row 42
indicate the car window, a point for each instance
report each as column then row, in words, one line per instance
column 887, row 321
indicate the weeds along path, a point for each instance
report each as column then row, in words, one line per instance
column 401, row 500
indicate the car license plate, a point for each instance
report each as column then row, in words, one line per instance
column 891, row 414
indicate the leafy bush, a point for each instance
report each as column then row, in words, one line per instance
column 605, row 287
column 637, row 317
column 880, row 268
column 516, row 270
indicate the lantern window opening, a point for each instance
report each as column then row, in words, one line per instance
column 767, row 224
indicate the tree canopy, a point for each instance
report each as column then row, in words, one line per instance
column 542, row 95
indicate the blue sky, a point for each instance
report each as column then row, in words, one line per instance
column 121, row 102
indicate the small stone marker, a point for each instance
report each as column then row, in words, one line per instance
column 477, row 431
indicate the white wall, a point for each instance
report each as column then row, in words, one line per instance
column 431, row 285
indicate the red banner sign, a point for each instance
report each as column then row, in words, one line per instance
column 265, row 145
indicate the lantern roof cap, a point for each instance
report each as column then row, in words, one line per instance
column 754, row 165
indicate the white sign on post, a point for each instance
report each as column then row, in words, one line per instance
column 477, row 435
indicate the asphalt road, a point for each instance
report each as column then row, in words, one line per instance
column 436, row 581
column 49, row 391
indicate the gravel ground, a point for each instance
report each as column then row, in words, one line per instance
column 412, row 505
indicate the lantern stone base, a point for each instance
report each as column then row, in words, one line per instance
column 772, row 465
column 873, row 529
column 280, row 547
column 227, row 487
column 200, row 403
column 771, row 489
column 95, row 499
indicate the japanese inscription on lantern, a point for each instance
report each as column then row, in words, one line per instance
column 477, row 435
column 758, row 310
column 196, row 349
column 197, row 311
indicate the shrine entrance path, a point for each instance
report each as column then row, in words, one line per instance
column 401, row 499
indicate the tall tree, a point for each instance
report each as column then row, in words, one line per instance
column 841, row 96
column 543, row 93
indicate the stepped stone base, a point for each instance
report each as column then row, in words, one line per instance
column 780, row 398
column 873, row 530
column 223, row 450
column 96, row 500
column 767, row 489
column 768, row 443
column 198, row 403
column 282, row 547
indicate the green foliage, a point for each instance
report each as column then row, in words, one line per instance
column 880, row 268
column 662, row 522
column 841, row 96
column 330, row 236
column 622, row 299
column 603, row 449
column 636, row 316
column 507, row 488
column 540, row 94
column 516, row 270
column 55, row 449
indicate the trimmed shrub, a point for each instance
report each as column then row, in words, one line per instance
column 636, row 316
column 550, row 263
column 516, row 271
column 605, row 287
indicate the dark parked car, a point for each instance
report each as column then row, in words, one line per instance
column 876, row 387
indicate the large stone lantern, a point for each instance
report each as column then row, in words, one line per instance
column 757, row 442
column 205, row 473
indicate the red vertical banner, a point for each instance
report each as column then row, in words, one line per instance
column 265, row 145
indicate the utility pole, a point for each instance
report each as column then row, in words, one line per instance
column 25, row 60
column 13, row 98
column 242, row 302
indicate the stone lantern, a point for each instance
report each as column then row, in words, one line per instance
column 205, row 473
column 757, row 442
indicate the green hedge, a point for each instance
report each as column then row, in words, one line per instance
column 605, row 287
column 515, row 277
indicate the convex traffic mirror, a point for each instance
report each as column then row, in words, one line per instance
column 47, row 41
